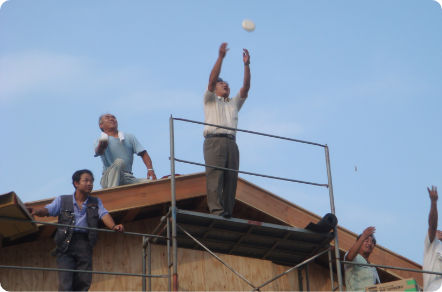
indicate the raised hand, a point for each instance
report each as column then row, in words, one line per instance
column 433, row 193
column 368, row 231
column 223, row 50
column 246, row 56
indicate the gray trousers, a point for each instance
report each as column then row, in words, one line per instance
column 78, row 256
column 221, row 185
column 115, row 176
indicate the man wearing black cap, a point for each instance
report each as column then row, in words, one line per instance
column 220, row 148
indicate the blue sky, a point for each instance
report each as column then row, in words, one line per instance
column 360, row 76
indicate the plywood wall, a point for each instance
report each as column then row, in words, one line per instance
column 197, row 270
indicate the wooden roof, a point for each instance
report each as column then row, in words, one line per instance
column 152, row 199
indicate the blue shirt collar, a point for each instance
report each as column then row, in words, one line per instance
column 75, row 201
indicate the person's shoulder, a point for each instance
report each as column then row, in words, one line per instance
column 129, row 135
column 209, row 95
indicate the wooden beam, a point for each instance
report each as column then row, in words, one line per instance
column 131, row 214
column 142, row 194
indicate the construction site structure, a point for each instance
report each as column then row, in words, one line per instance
column 172, row 243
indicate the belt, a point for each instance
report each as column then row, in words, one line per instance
column 232, row 137
column 129, row 172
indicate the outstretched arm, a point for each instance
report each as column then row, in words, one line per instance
column 148, row 162
column 102, row 145
column 354, row 250
column 42, row 212
column 432, row 219
column 213, row 79
column 246, row 87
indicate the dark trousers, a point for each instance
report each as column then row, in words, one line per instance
column 221, row 185
column 77, row 257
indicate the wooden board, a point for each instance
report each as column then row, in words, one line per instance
column 11, row 206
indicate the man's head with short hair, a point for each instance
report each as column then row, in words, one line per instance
column 107, row 120
column 76, row 177
column 222, row 88
column 367, row 246
column 372, row 238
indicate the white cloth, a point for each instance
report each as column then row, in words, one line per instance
column 221, row 111
column 120, row 135
column 432, row 262
column 359, row 277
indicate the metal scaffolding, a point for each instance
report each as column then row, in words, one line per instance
column 173, row 213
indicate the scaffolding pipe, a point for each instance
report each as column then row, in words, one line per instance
column 143, row 268
column 214, row 255
column 291, row 269
column 251, row 173
column 330, row 266
column 81, row 271
column 394, row 268
column 169, row 284
column 251, row 132
column 335, row 229
column 80, row 227
column 172, row 188
column 149, row 264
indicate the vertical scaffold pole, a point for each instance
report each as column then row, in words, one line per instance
column 169, row 285
column 330, row 266
column 172, row 186
column 335, row 229
column 149, row 265
column 143, row 283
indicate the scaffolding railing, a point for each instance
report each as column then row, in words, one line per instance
column 391, row 267
column 143, row 275
column 174, row 208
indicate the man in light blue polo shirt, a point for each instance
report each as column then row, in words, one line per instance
column 116, row 150
column 74, row 245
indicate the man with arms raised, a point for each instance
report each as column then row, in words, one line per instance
column 433, row 247
column 74, row 245
column 116, row 150
column 359, row 277
column 220, row 148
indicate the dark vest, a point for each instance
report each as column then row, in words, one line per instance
column 64, row 234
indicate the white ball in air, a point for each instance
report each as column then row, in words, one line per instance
column 248, row 25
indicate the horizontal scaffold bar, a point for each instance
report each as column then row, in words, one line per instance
column 82, row 271
column 393, row 268
column 251, row 132
column 80, row 227
column 251, row 173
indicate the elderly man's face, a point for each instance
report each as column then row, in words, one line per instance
column 108, row 121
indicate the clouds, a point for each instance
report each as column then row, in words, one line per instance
column 27, row 73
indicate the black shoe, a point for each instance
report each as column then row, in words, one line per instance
column 225, row 214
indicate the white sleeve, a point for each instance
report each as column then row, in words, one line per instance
column 239, row 101
column 209, row 96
